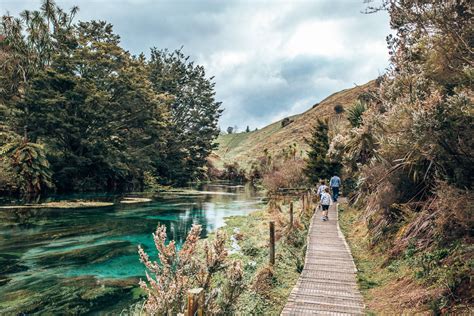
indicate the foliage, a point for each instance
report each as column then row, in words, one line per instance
column 338, row 108
column 28, row 161
column 411, row 144
column 285, row 174
column 105, row 117
column 354, row 114
column 416, row 281
column 194, row 113
column 318, row 164
column 177, row 271
column 233, row 172
column 266, row 289
column 168, row 284
column 9, row 182
column 286, row 121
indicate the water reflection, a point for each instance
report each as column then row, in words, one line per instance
column 55, row 254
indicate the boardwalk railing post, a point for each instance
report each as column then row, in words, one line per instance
column 291, row 215
column 272, row 243
column 302, row 202
column 309, row 201
column 195, row 302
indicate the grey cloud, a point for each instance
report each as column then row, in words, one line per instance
column 266, row 82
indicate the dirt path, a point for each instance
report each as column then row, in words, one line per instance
column 327, row 285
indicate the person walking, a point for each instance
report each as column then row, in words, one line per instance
column 321, row 188
column 335, row 184
column 325, row 202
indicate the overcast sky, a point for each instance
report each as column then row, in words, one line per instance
column 270, row 59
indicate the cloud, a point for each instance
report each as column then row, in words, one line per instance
column 270, row 59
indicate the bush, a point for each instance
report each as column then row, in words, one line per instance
column 233, row 172
column 338, row 108
column 9, row 181
column 286, row 121
column 191, row 266
column 285, row 174
column 354, row 115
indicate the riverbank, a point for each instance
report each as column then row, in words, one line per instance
column 403, row 285
column 267, row 288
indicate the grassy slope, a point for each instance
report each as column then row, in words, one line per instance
column 246, row 147
column 398, row 287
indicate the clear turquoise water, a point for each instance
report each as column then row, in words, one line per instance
column 80, row 261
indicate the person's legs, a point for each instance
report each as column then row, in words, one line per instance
column 335, row 193
column 325, row 212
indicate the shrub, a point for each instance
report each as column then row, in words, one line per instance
column 212, row 173
column 354, row 114
column 233, row 172
column 177, row 271
column 285, row 174
column 338, row 108
column 286, row 121
column 9, row 181
column 263, row 279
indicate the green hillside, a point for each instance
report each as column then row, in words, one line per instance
column 246, row 147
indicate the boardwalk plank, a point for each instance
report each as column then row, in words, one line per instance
column 327, row 285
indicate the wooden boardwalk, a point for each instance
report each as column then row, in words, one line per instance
column 327, row 285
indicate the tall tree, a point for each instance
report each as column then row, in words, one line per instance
column 318, row 165
column 194, row 113
column 105, row 118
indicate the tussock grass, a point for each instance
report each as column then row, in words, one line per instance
column 414, row 282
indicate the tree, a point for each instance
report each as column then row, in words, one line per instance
column 318, row 166
column 230, row 130
column 99, row 115
column 194, row 114
column 29, row 161
column 247, row 130
column 106, row 119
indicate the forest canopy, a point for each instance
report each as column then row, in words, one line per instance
column 79, row 112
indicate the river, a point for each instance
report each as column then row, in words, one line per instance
column 85, row 261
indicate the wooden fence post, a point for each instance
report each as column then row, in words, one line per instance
column 272, row 243
column 309, row 200
column 291, row 215
column 195, row 302
column 302, row 202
